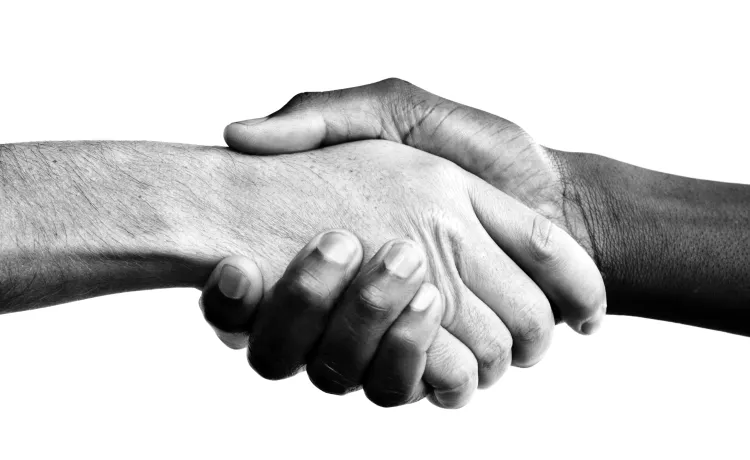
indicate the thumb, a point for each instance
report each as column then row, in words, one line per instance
column 550, row 256
column 230, row 298
column 313, row 120
column 392, row 110
column 277, row 134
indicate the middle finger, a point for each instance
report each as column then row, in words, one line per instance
column 377, row 297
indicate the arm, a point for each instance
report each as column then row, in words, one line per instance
column 92, row 218
column 669, row 247
column 82, row 219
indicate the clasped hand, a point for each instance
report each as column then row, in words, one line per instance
column 452, row 258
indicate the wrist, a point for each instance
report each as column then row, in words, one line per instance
column 598, row 197
column 668, row 247
column 241, row 205
column 209, row 204
column 577, row 201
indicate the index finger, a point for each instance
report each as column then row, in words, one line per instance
column 230, row 297
column 552, row 258
column 294, row 316
column 393, row 110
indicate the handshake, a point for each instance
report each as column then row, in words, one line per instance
column 463, row 266
column 439, row 244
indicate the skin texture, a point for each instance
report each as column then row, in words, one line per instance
column 492, row 148
column 103, row 217
column 413, row 357
column 438, row 215
column 668, row 247
column 94, row 218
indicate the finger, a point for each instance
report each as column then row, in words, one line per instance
column 469, row 319
column 553, row 259
column 480, row 142
column 370, row 306
column 230, row 297
column 394, row 377
column 294, row 317
column 451, row 371
column 509, row 294
column 392, row 110
column 309, row 121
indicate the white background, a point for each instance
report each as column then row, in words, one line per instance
column 141, row 376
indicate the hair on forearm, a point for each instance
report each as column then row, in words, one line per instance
column 80, row 219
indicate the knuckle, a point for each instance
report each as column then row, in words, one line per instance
column 531, row 332
column 493, row 361
column 301, row 99
column 542, row 240
column 408, row 104
column 465, row 380
column 458, row 377
column 372, row 303
column 395, row 84
column 306, row 288
column 407, row 338
column 447, row 224
column 532, row 336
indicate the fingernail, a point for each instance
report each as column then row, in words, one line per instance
column 232, row 282
column 423, row 299
column 590, row 327
column 251, row 122
column 337, row 247
column 402, row 260
column 595, row 324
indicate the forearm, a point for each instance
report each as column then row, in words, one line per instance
column 669, row 247
column 81, row 219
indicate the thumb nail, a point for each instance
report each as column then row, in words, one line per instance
column 590, row 327
column 594, row 324
column 251, row 122
column 232, row 282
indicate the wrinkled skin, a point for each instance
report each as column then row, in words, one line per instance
column 491, row 147
column 380, row 191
